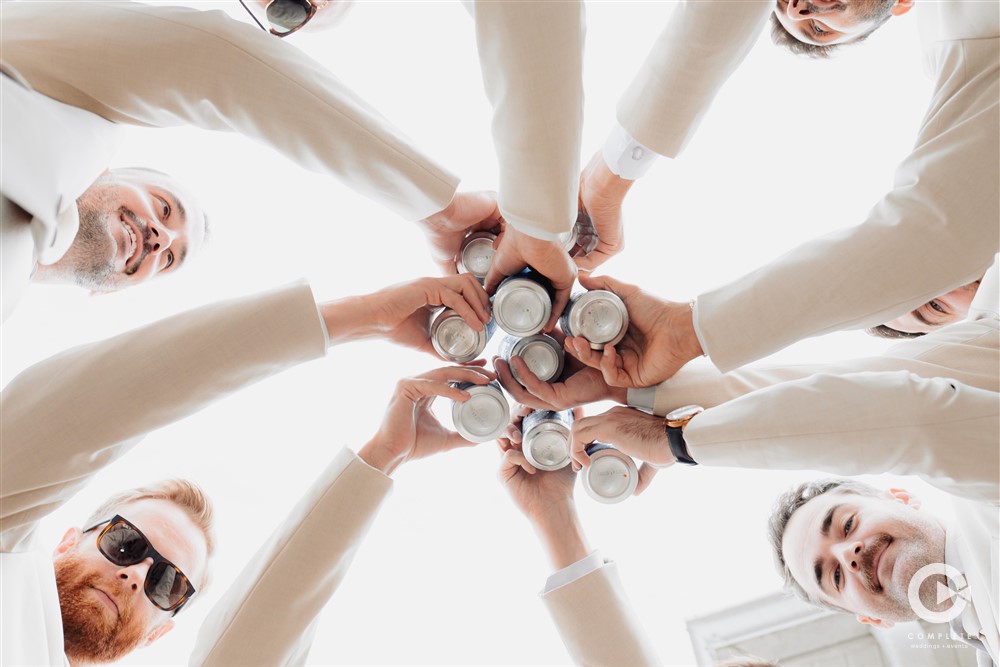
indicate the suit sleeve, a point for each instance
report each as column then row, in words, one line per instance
column 703, row 44
column 62, row 418
column 168, row 66
column 861, row 423
column 296, row 571
column 531, row 54
column 596, row 621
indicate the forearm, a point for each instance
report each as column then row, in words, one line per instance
column 532, row 60
column 296, row 571
column 166, row 66
column 63, row 419
column 561, row 534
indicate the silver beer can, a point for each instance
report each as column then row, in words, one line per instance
column 545, row 438
column 611, row 476
column 543, row 355
column 598, row 315
column 484, row 416
column 455, row 340
column 523, row 303
column 476, row 255
column 582, row 239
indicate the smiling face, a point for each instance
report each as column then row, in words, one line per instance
column 859, row 553
column 831, row 22
column 105, row 611
column 134, row 224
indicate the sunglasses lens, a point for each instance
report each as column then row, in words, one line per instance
column 287, row 15
column 166, row 585
column 122, row 545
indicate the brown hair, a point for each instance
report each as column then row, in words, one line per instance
column 783, row 38
column 883, row 331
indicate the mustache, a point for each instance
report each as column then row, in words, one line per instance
column 146, row 246
column 867, row 562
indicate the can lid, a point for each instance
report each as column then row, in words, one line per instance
column 454, row 339
column 542, row 358
column 611, row 476
column 477, row 256
column 548, row 446
column 599, row 316
column 521, row 307
column 484, row 416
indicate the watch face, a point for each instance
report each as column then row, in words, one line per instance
column 684, row 414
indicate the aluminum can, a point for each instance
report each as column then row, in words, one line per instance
column 455, row 340
column 598, row 315
column 546, row 437
column 476, row 255
column 523, row 303
column 582, row 239
column 484, row 416
column 544, row 356
column 612, row 476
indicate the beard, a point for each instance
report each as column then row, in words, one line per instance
column 89, row 636
column 89, row 262
column 875, row 10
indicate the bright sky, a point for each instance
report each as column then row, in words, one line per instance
column 450, row 572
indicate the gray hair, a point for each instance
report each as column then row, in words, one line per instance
column 786, row 505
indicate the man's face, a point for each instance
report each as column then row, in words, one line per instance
column 828, row 22
column 105, row 611
column 134, row 225
column 860, row 552
column 946, row 309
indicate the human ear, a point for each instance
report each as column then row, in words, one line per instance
column 159, row 631
column 901, row 7
column 877, row 622
column 69, row 540
column 905, row 497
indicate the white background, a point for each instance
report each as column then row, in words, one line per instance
column 449, row 573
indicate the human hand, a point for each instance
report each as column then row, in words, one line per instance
column 445, row 230
column 633, row 432
column 515, row 251
column 601, row 196
column 409, row 428
column 660, row 338
column 403, row 313
column 578, row 385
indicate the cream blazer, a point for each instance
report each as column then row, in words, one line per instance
column 935, row 230
column 167, row 66
column 62, row 423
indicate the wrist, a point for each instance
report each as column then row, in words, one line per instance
column 561, row 534
column 347, row 319
column 687, row 345
column 379, row 456
column 602, row 183
column 618, row 395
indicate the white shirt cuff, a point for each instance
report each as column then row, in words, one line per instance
column 626, row 157
column 697, row 330
column 643, row 398
column 571, row 573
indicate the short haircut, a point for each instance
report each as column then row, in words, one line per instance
column 783, row 38
column 185, row 494
column 786, row 505
column 883, row 331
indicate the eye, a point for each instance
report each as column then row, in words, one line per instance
column 937, row 306
column 848, row 526
column 165, row 207
column 818, row 29
column 836, row 577
column 170, row 259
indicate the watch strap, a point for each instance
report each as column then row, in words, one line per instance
column 675, row 438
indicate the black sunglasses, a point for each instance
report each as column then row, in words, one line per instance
column 284, row 16
column 124, row 544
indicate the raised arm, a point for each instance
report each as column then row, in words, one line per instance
column 167, row 66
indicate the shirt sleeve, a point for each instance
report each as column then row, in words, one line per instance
column 205, row 69
column 573, row 571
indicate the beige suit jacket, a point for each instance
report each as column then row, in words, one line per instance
column 62, row 423
column 935, row 230
column 207, row 70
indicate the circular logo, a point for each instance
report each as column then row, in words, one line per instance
column 956, row 590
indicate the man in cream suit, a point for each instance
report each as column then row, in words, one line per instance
column 62, row 87
column 933, row 232
column 207, row 70
column 63, row 420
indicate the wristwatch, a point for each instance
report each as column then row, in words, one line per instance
column 674, row 424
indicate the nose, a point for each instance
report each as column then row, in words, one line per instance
column 133, row 577
column 797, row 10
column 849, row 555
column 160, row 237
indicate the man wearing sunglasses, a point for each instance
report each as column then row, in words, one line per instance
column 166, row 66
